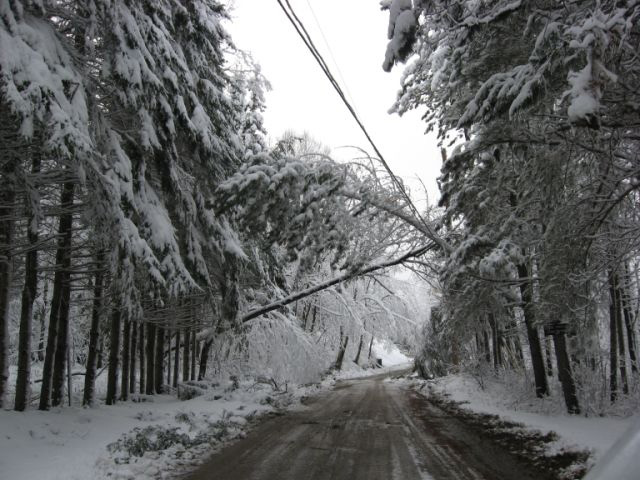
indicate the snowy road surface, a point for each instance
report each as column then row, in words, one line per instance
column 365, row 429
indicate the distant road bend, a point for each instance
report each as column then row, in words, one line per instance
column 365, row 429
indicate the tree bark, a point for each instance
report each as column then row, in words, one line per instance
column 370, row 346
column 126, row 360
column 622, row 352
column 52, row 335
column 313, row 318
column 142, row 358
column 631, row 337
column 176, row 360
column 194, row 354
column 100, row 355
column 63, row 267
column 29, row 293
column 41, row 317
column 62, row 346
column 564, row 370
column 547, row 351
column 204, row 359
column 7, row 200
column 168, row 358
column 613, row 337
column 132, row 360
column 185, row 354
column 114, row 352
column 344, row 341
column 150, row 353
column 159, row 363
column 535, row 348
column 12, row 150
column 357, row 359
column 94, row 334
column 487, row 346
column 629, row 321
column 495, row 334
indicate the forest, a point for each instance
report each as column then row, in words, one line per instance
column 152, row 234
column 145, row 220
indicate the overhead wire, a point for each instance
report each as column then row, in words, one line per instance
column 330, row 50
column 293, row 18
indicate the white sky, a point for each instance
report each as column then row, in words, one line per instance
column 303, row 100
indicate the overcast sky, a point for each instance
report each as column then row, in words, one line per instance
column 303, row 100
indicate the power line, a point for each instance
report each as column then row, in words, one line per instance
column 326, row 42
column 306, row 38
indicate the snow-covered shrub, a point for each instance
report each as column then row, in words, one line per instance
column 189, row 390
column 152, row 438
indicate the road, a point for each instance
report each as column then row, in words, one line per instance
column 365, row 429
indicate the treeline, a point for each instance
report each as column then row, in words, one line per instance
column 536, row 104
column 141, row 210
column 118, row 120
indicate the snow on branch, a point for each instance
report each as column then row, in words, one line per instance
column 334, row 281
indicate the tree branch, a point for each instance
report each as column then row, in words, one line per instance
column 329, row 283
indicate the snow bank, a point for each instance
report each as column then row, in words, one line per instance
column 596, row 434
column 71, row 443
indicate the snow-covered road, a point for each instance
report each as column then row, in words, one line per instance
column 368, row 429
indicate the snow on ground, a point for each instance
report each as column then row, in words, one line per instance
column 71, row 443
column 392, row 359
column 596, row 434
column 389, row 353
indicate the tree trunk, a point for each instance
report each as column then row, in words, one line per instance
column 41, row 317
column 132, row 360
column 518, row 348
column 185, row 355
column 204, row 358
column 631, row 337
column 62, row 346
column 622, row 352
column 70, row 351
column 47, row 368
column 370, row 346
column 141, row 329
column 45, row 388
column 533, row 336
column 169, row 358
column 194, row 354
column 94, row 334
column 629, row 321
column 100, row 355
column 114, row 351
column 357, row 359
column 29, row 293
column 63, row 267
column 158, row 376
column 151, row 349
column 313, row 318
column 487, row 346
column 564, row 370
column 7, row 226
column 176, row 360
column 495, row 340
column 126, row 360
column 344, row 341
column 613, row 337
column 547, row 351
